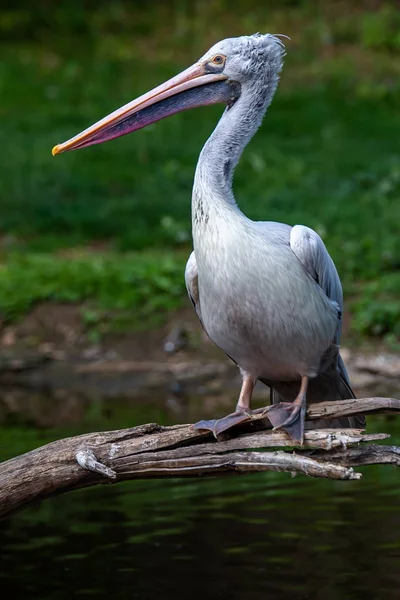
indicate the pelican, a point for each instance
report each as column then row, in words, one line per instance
column 266, row 293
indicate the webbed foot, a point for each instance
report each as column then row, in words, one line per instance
column 291, row 416
column 243, row 414
column 218, row 426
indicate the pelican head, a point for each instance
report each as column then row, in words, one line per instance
column 218, row 77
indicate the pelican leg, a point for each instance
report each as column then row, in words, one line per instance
column 290, row 416
column 241, row 415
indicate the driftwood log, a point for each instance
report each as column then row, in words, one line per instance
column 150, row 451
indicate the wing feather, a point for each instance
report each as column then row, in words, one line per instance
column 192, row 284
column 309, row 248
column 313, row 255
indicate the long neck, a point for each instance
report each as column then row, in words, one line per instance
column 212, row 189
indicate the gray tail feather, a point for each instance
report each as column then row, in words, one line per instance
column 331, row 385
column 345, row 391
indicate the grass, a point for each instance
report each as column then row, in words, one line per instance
column 327, row 155
column 134, row 287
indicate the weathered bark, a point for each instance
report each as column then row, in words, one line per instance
column 363, row 455
column 180, row 451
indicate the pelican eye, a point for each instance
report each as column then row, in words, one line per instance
column 218, row 59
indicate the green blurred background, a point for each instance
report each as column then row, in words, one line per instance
column 109, row 226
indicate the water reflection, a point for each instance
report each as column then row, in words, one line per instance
column 254, row 537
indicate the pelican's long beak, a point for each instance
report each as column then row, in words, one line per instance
column 193, row 87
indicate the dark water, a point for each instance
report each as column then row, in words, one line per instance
column 253, row 537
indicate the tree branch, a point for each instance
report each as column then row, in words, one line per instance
column 149, row 451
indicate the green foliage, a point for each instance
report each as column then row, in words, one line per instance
column 381, row 29
column 376, row 29
column 377, row 311
column 135, row 286
column 327, row 155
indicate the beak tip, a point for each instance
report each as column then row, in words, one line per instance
column 56, row 150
